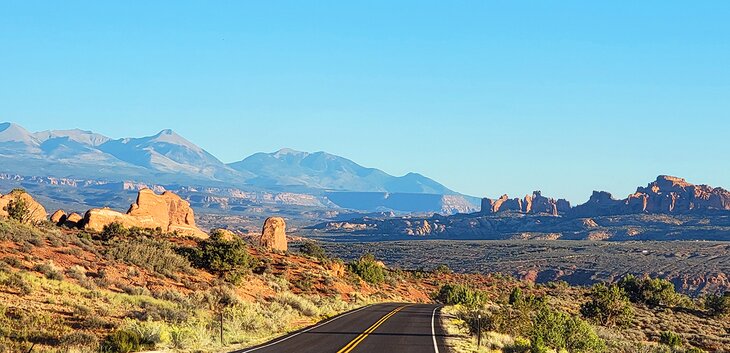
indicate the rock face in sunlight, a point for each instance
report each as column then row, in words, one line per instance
column 36, row 212
column 167, row 211
column 535, row 203
column 273, row 235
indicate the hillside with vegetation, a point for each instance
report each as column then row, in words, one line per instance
column 130, row 289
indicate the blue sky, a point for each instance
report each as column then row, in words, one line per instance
column 487, row 97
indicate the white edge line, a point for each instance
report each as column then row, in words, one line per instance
column 433, row 330
column 309, row 329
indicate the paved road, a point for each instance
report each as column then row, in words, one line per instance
column 381, row 328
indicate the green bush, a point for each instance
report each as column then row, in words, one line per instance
column 18, row 208
column 368, row 269
column 557, row 330
column 311, row 248
column 609, row 306
column 229, row 259
column 453, row 294
column 718, row 305
column 442, row 270
column 670, row 339
column 114, row 230
column 650, row 291
column 121, row 341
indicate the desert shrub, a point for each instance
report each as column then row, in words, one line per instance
column 121, row 341
column 558, row 330
column 150, row 333
column 608, row 306
column 229, row 259
column 718, row 305
column 453, row 294
column 76, row 272
column 18, row 208
column 80, row 339
column 301, row 304
column 49, row 270
column 442, row 269
column 650, row 291
column 114, row 230
column 154, row 255
column 12, row 262
column 670, row 339
column 311, row 248
column 368, row 269
column 19, row 283
column 516, row 296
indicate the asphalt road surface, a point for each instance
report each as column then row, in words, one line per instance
column 381, row 328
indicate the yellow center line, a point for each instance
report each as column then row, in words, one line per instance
column 350, row 346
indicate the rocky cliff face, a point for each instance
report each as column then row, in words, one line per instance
column 167, row 211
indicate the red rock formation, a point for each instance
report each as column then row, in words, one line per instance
column 273, row 235
column 167, row 211
column 36, row 212
column 58, row 217
column 535, row 203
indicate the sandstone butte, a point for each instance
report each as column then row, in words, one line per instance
column 36, row 211
column 273, row 235
column 167, row 211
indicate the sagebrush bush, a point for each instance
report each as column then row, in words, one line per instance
column 670, row 339
column 18, row 282
column 49, row 270
column 301, row 304
column 151, row 254
column 121, row 341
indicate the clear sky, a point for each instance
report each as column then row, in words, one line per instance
column 487, row 97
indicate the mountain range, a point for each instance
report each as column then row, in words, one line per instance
column 167, row 158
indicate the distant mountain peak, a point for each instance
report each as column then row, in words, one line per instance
column 289, row 152
column 11, row 132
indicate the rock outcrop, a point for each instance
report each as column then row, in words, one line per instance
column 167, row 211
column 667, row 194
column 530, row 204
column 36, row 212
column 273, row 235
column 58, row 217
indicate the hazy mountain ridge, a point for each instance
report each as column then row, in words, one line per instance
column 169, row 159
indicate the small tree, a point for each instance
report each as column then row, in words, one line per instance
column 114, row 230
column 311, row 248
column 368, row 269
column 650, row 291
column 718, row 305
column 18, row 208
column 452, row 294
column 609, row 306
column 228, row 258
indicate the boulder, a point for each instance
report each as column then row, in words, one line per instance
column 73, row 220
column 36, row 212
column 167, row 211
column 58, row 217
column 273, row 235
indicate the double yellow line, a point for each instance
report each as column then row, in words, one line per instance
column 350, row 346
